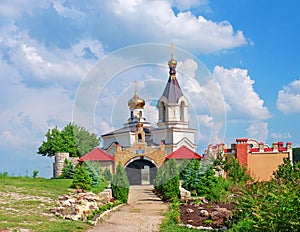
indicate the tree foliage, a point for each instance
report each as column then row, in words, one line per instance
column 81, row 179
column 272, row 205
column 235, row 172
column 68, row 170
column 166, row 181
column 200, row 178
column 107, row 175
column 296, row 154
column 75, row 140
column 120, row 184
column 94, row 171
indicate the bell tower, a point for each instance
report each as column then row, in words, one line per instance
column 173, row 105
column 173, row 115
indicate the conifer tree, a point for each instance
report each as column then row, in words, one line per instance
column 120, row 184
column 81, row 179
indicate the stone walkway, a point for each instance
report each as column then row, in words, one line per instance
column 144, row 212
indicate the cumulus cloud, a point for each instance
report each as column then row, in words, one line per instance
column 258, row 130
column 288, row 100
column 39, row 83
column 47, row 66
column 161, row 24
column 237, row 88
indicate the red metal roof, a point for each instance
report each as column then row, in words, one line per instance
column 184, row 153
column 97, row 155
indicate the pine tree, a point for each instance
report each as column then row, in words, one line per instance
column 81, row 179
column 120, row 184
column 94, row 171
column 68, row 170
column 107, row 175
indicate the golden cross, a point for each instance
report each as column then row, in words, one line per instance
column 172, row 48
column 135, row 85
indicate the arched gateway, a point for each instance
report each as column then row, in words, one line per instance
column 141, row 161
column 141, row 171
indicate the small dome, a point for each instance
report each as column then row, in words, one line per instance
column 136, row 102
column 172, row 63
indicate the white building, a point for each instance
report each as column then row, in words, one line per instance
column 172, row 126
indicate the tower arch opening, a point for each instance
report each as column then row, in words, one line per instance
column 141, row 171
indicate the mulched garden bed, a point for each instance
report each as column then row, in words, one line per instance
column 211, row 215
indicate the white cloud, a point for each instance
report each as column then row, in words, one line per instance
column 39, row 83
column 282, row 136
column 205, row 120
column 47, row 66
column 237, row 88
column 258, row 130
column 156, row 21
column 16, row 8
column 288, row 100
column 67, row 12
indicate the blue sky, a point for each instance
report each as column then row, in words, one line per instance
column 48, row 48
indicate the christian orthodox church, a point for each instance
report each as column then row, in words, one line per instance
column 173, row 129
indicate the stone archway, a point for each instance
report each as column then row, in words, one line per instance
column 141, row 171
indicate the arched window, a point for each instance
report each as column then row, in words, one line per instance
column 182, row 106
column 140, row 138
column 163, row 112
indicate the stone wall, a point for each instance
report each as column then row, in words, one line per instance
column 59, row 160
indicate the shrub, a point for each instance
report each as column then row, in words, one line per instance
column 167, row 180
column 94, row 172
column 68, row 170
column 199, row 177
column 4, row 174
column 120, row 184
column 107, row 175
column 158, row 181
column 235, row 172
column 81, row 179
column 35, row 174
column 270, row 206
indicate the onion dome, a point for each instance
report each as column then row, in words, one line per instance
column 172, row 65
column 136, row 102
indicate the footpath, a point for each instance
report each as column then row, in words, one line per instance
column 143, row 213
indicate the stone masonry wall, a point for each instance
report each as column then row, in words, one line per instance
column 59, row 162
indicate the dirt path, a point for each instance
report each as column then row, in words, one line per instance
column 144, row 212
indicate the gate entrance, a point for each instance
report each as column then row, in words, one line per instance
column 141, row 171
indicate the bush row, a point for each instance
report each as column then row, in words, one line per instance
column 167, row 180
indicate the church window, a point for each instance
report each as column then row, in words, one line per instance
column 139, row 138
column 182, row 105
column 163, row 110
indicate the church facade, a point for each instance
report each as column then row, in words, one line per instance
column 141, row 148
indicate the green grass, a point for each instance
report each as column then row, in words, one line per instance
column 25, row 203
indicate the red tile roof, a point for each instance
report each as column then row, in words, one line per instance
column 97, row 155
column 184, row 153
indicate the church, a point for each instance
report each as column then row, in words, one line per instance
column 142, row 148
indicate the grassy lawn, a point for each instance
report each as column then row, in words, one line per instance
column 25, row 203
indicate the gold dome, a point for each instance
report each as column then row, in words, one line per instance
column 172, row 63
column 136, row 102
